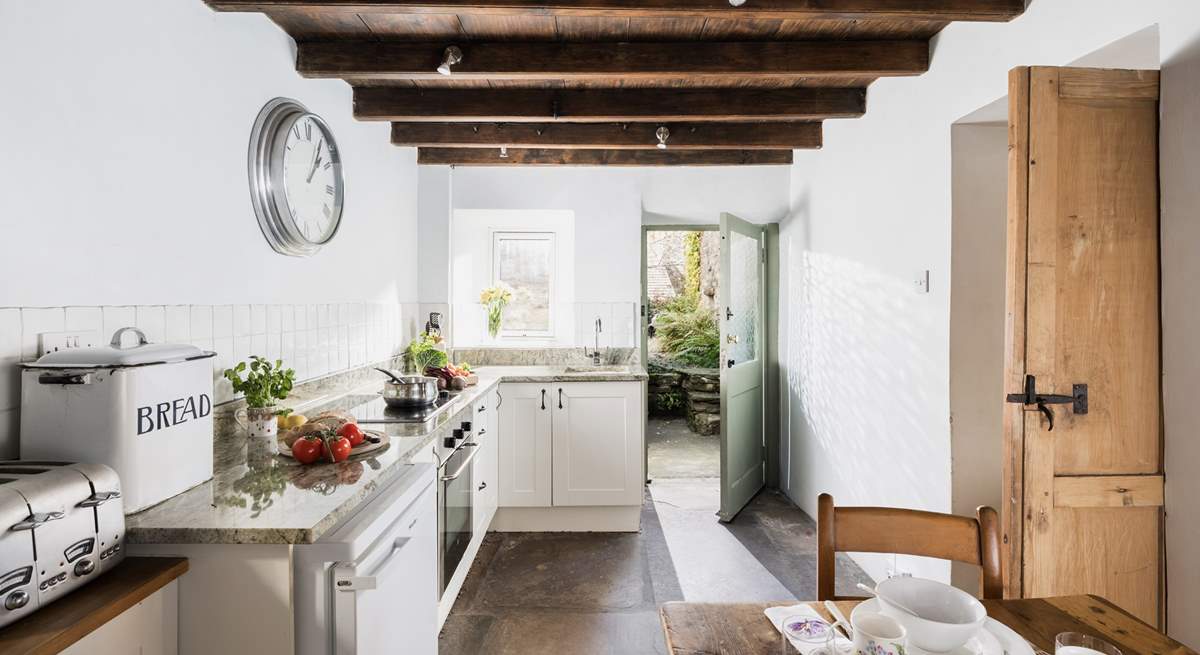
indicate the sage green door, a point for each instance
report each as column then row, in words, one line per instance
column 742, row 305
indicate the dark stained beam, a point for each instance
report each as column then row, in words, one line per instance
column 545, row 157
column 574, row 61
column 609, row 136
column 606, row 105
column 945, row 10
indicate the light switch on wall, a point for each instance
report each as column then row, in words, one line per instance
column 921, row 281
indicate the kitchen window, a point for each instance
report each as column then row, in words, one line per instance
column 525, row 262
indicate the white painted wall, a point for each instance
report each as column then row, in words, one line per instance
column 611, row 204
column 124, row 129
column 433, row 234
column 866, row 359
column 472, row 267
column 977, row 263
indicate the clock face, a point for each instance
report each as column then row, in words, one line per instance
column 296, row 184
column 311, row 177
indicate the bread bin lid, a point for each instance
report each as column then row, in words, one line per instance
column 115, row 354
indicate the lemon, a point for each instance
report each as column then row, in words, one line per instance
column 292, row 421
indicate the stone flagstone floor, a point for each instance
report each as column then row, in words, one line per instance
column 598, row 593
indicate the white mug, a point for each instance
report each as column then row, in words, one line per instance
column 872, row 634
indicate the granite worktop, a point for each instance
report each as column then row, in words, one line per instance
column 579, row 373
column 256, row 497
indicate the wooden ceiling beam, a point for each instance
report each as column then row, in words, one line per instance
column 945, row 10
column 609, row 136
column 606, row 105
column 574, row 61
column 547, row 157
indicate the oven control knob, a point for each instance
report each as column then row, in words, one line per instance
column 16, row 600
column 466, row 426
column 84, row 567
column 448, row 442
column 458, row 434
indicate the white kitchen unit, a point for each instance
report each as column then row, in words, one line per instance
column 150, row 627
column 487, row 462
column 373, row 581
column 376, row 569
column 597, row 428
column 571, row 456
column 526, row 454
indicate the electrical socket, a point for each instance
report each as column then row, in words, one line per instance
column 49, row 342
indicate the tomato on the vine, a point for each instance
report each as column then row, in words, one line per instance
column 307, row 450
column 352, row 432
column 336, row 449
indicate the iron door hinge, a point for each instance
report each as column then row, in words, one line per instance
column 1078, row 399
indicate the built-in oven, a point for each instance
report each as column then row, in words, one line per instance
column 455, row 512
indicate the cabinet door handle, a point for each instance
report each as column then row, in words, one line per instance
column 499, row 399
column 560, row 397
column 482, row 486
column 543, row 399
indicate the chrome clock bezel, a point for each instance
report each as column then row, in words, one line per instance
column 268, row 191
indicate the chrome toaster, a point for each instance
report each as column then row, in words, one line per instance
column 61, row 525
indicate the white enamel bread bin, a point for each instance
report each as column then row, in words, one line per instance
column 145, row 410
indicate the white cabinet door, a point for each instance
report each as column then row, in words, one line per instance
column 597, row 443
column 491, row 495
column 525, row 445
column 486, row 466
column 390, row 592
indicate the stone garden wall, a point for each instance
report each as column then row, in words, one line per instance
column 691, row 392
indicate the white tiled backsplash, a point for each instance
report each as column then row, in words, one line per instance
column 314, row 339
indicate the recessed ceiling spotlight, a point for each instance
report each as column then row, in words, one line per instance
column 662, row 133
column 503, row 152
column 737, row 3
column 450, row 57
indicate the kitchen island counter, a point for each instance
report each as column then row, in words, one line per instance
column 256, row 497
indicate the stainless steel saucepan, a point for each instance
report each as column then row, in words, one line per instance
column 409, row 390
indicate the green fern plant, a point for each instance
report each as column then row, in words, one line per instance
column 690, row 335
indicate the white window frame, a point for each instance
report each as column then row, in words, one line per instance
column 528, row 235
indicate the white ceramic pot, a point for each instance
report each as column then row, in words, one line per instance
column 261, row 425
column 946, row 617
column 258, row 422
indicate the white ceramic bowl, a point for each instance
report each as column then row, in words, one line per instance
column 946, row 617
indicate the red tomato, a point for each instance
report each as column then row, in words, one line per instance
column 307, row 450
column 352, row 432
column 336, row 449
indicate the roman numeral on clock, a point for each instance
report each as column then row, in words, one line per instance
column 329, row 189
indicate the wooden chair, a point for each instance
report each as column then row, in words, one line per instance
column 907, row 532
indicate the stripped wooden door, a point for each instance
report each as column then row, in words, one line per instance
column 1083, row 509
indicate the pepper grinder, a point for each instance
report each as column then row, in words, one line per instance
column 433, row 327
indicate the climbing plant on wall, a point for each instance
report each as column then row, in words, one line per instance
column 691, row 259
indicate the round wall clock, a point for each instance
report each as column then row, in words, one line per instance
column 296, row 182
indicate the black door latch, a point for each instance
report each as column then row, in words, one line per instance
column 1078, row 399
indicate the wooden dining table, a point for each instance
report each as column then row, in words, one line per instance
column 743, row 629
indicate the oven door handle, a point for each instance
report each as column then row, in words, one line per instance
column 465, row 464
